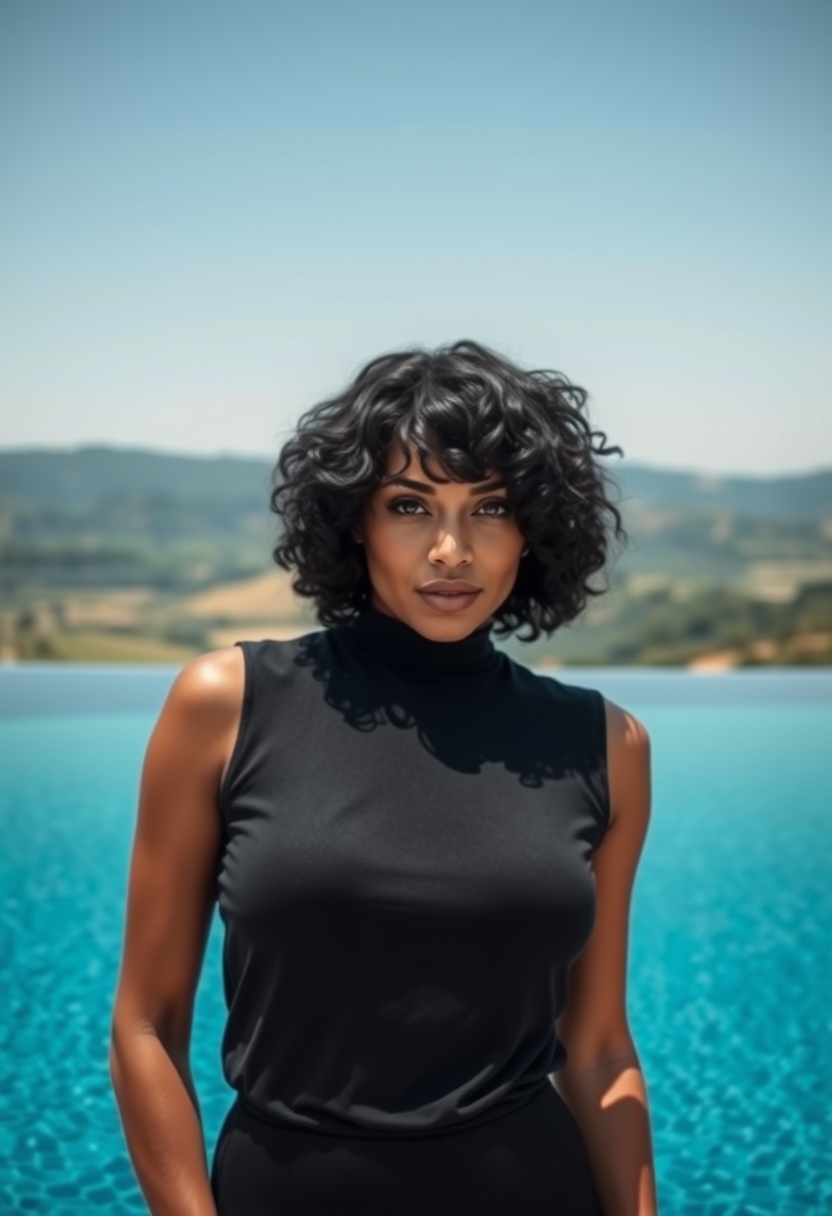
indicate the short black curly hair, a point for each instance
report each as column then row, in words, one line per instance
column 476, row 413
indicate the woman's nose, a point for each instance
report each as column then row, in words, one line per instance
column 449, row 546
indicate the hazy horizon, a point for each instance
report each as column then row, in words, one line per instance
column 268, row 457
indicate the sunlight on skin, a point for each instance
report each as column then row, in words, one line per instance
column 427, row 529
column 622, row 1087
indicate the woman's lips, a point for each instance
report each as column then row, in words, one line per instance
column 449, row 601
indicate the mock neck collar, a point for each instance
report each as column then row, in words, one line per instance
column 398, row 644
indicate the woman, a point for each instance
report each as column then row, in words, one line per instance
column 414, row 841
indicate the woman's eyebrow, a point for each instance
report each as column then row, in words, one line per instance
column 482, row 487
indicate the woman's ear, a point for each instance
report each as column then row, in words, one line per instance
column 356, row 533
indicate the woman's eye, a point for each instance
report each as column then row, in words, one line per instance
column 404, row 506
column 500, row 503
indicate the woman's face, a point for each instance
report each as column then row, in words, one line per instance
column 442, row 556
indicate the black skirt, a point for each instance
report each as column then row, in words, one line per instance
column 531, row 1162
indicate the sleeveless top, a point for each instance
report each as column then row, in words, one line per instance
column 405, row 877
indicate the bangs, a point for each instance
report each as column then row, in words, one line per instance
column 461, row 427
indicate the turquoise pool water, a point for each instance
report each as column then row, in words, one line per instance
column 730, row 964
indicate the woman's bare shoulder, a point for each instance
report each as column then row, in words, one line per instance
column 624, row 729
column 215, row 673
column 211, row 685
column 628, row 764
column 196, row 729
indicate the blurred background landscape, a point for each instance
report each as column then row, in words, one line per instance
column 214, row 215
column 127, row 555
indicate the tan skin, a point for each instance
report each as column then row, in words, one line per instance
column 445, row 530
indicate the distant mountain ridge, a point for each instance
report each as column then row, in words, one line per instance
column 76, row 478
column 794, row 496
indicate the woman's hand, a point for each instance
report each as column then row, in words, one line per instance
column 169, row 908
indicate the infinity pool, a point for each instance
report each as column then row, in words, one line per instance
column 730, row 966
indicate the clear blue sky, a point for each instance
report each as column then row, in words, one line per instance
column 211, row 214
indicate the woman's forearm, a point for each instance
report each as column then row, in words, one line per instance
column 162, row 1125
column 609, row 1102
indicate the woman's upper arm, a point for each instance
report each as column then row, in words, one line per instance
column 176, row 847
column 593, row 1024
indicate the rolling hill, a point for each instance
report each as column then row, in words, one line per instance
column 109, row 552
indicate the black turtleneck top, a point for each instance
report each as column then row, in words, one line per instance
column 405, row 877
